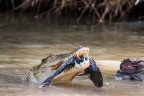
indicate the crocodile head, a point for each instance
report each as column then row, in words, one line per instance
column 51, row 63
column 64, row 67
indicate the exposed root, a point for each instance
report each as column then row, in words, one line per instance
column 100, row 9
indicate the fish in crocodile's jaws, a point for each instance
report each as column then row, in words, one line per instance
column 68, row 74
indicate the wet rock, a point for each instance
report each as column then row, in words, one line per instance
column 132, row 69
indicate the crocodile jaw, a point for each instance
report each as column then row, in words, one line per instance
column 40, row 72
column 64, row 77
column 68, row 75
column 82, row 51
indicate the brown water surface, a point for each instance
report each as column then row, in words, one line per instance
column 24, row 42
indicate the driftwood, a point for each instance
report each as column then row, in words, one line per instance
column 132, row 65
column 131, row 68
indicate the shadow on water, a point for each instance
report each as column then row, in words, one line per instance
column 24, row 42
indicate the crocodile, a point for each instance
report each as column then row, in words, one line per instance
column 131, row 69
column 63, row 68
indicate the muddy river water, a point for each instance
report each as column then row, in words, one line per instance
column 24, row 42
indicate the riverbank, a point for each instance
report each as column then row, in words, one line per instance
column 78, row 10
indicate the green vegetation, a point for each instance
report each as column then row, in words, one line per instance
column 100, row 10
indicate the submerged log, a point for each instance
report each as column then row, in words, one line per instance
column 131, row 68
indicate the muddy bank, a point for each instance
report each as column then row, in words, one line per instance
column 79, row 10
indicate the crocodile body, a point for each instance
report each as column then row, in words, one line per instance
column 64, row 67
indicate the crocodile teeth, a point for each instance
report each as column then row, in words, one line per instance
column 77, row 65
column 87, row 55
column 75, row 62
column 87, row 61
column 84, row 59
column 81, row 64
